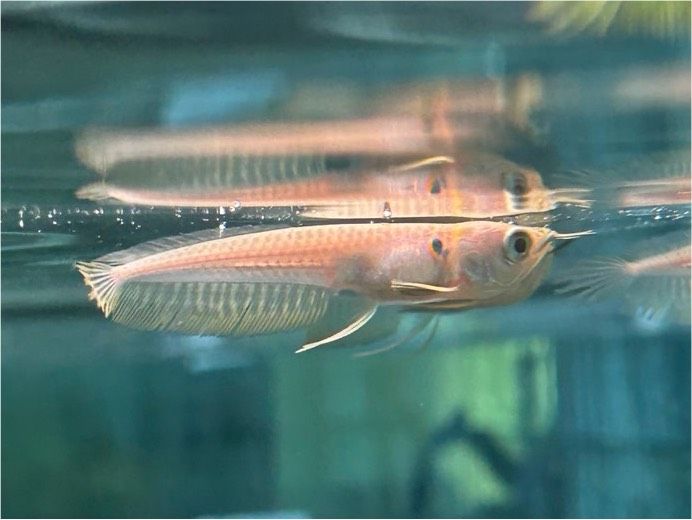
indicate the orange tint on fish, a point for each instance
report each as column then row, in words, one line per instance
column 388, row 263
column 654, row 279
column 281, row 279
column 676, row 261
column 467, row 185
column 659, row 192
column 100, row 150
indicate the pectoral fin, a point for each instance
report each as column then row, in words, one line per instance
column 446, row 305
column 430, row 161
column 420, row 289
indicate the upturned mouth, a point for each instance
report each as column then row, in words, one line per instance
column 564, row 238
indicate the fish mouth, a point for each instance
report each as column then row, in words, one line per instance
column 564, row 238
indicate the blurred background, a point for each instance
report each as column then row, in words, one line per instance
column 549, row 408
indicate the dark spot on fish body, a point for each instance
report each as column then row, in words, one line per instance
column 437, row 246
column 436, row 187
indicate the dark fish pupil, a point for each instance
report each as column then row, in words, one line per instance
column 436, row 187
column 520, row 245
column 437, row 246
column 516, row 184
column 519, row 187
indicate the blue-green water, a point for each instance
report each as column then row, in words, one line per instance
column 549, row 407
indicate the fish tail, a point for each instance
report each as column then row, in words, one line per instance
column 99, row 276
column 95, row 191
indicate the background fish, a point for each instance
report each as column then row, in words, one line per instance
column 654, row 279
column 391, row 135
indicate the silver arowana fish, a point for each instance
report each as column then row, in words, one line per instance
column 468, row 185
column 281, row 279
column 654, row 281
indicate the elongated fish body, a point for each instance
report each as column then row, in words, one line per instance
column 478, row 100
column 671, row 191
column 670, row 263
column 655, row 280
column 360, row 258
column 281, row 278
column 342, row 257
column 102, row 149
column 467, row 186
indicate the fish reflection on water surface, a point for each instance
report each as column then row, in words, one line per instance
column 661, row 179
column 244, row 283
column 405, row 119
column 470, row 184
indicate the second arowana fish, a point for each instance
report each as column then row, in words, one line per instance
column 279, row 279
column 470, row 185
column 654, row 282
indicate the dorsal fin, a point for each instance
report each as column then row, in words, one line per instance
column 168, row 243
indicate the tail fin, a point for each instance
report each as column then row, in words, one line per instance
column 95, row 191
column 99, row 276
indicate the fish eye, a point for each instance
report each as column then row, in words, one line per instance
column 516, row 184
column 517, row 245
column 436, row 187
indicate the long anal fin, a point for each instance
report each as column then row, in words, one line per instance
column 204, row 306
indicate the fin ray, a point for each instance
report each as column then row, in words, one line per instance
column 204, row 308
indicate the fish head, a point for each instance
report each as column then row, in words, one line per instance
column 523, row 190
column 497, row 187
column 500, row 262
